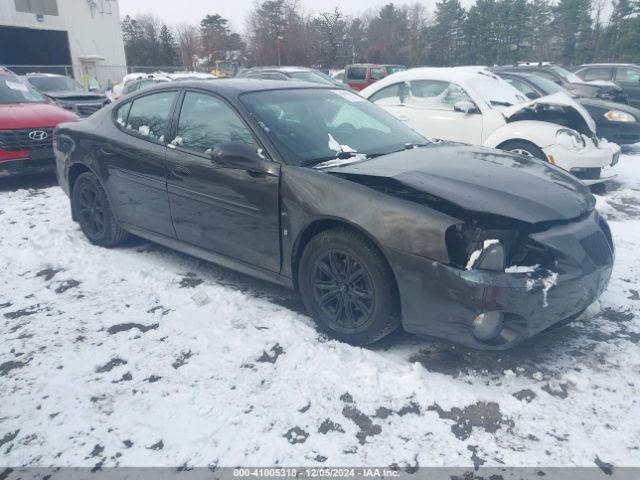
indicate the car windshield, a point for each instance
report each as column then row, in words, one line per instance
column 13, row 90
column 55, row 84
column 547, row 86
column 310, row 126
column 495, row 91
column 315, row 77
column 567, row 75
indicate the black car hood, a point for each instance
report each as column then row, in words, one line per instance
column 75, row 95
column 606, row 106
column 475, row 179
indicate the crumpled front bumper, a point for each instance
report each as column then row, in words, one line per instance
column 604, row 155
column 443, row 301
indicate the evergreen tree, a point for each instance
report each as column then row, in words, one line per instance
column 167, row 46
column 585, row 46
column 571, row 22
column 447, row 33
column 388, row 35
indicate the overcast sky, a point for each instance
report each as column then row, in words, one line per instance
column 192, row 11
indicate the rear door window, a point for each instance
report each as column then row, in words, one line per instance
column 122, row 114
column 597, row 74
column 357, row 73
column 627, row 75
column 149, row 115
column 378, row 73
column 435, row 94
column 206, row 121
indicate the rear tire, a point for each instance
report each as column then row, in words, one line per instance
column 348, row 287
column 522, row 147
column 93, row 212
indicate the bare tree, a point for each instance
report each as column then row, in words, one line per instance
column 333, row 29
column 188, row 38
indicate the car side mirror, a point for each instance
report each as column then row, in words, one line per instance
column 465, row 107
column 532, row 95
column 237, row 154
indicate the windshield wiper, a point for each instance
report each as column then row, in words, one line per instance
column 501, row 104
column 339, row 156
column 348, row 154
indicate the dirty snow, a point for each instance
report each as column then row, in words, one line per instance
column 143, row 356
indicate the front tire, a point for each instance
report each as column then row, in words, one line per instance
column 522, row 147
column 93, row 211
column 348, row 287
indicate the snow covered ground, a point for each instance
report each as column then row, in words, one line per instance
column 142, row 356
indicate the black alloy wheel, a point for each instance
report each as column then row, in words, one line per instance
column 348, row 287
column 90, row 210
column 93, row 212
column 343, row 290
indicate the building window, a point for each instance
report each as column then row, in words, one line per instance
column 39, row 7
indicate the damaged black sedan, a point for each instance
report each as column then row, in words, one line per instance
column 321, row 191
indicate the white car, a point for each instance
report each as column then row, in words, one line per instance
column 472, row 105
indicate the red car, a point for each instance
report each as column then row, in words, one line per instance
column 26, row 127
column 361, row 75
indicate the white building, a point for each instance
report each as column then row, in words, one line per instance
column 83, row 36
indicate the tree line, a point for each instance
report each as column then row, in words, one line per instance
column 491, row 32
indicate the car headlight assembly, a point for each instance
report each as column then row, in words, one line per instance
column 570, row 139
column 618, row 116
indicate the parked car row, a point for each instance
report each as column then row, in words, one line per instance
column 604, row 90
column 627, row 76
column 315, row 188
column 473, row 105
column 288, row 73
column 27, row 120
column 617, row 122
column 138, row 81
column 67, row 93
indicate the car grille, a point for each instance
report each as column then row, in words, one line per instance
column 598, row 248
column 17, row 140
column 88, row 108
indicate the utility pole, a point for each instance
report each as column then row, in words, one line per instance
column 280, row 37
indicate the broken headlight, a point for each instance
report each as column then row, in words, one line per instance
column 570, row 139
column 471, row 247
column 498, row 250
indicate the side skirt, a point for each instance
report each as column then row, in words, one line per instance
column 212, row 257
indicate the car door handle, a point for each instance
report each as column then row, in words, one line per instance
column 106, row 151
column 180, row 171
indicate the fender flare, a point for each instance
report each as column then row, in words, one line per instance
column 541, row 134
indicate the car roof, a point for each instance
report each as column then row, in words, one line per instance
column 516, row 73
column 238, row 86
column 609, row 65
column 279, row 69
column 459, row 74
